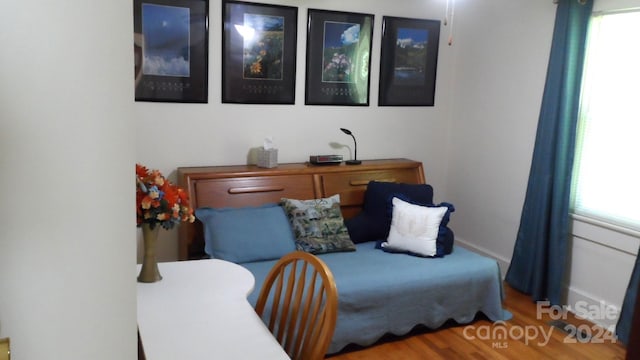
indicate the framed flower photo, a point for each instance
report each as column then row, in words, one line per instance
column 259, row 53
column 408, row 60
column 338, row 58
column 171, row 50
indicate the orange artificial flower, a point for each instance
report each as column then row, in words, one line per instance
column 158, row 201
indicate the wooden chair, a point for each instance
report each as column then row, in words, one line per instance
column 302, row 304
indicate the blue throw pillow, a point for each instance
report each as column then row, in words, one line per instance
column 374, row 221
column 246, row 234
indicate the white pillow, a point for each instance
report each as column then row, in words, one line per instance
column 414, row 228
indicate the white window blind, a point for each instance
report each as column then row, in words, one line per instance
column 606, row 181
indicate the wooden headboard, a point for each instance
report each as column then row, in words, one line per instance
column 249, row 185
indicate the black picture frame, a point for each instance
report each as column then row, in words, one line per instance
column 258, row 67
column 338, row 58
column 408, row 61
column 171, row 50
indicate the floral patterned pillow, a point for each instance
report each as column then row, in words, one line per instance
column 318, row 225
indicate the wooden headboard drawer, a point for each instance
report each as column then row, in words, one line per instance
column 249, row 185
column 352, row 185
column 252, row 191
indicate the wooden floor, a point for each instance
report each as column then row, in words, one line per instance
column 481, row 339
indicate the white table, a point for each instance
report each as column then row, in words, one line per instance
column 199, row 310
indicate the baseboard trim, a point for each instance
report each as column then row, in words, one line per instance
column 503, row 263
column 596, row 310
column 578, row 301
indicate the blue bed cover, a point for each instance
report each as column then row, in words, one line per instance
column 380, row 293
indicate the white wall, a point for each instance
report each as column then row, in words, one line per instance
column 501, row 56
column 601, row 261
column 220, row 134
column 67, row 261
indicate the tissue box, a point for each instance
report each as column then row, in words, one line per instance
column 267, row 158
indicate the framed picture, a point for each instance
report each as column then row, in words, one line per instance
column 408, row 61
column 259, row 53
column 338, row 58
column 171, row 40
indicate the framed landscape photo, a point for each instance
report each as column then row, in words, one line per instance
column 338, row 58
column 171, row 50
column 258, row 53
column 408, row 61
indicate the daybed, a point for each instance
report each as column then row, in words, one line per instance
column 378, row 292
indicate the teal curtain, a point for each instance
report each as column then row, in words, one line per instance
column 623, row 328
column 538, row 261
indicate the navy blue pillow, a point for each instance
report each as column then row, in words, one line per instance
column 444, row 243
column 374, row 221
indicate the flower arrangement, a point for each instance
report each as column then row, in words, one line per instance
column 338, row 68
column 158, row 201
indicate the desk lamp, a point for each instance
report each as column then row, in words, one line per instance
column 355, row 160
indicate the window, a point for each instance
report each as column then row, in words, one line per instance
column 607, row 164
